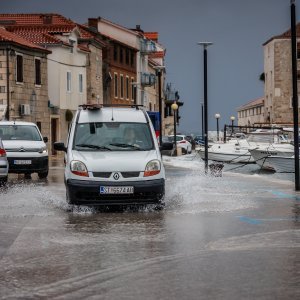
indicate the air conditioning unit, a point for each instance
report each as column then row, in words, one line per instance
column 25, row 109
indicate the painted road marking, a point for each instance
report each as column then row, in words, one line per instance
column 253, row 221
column 282, row 195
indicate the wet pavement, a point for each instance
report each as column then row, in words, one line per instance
column 230, row 237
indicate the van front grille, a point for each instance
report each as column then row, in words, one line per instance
column 102, row 174
column 130, row 174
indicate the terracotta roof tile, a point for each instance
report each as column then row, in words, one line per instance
column 151, row 35
column 252, row 103
column 36, row 19
column 6, row 36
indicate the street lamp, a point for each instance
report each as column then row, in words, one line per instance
column 205, row 45
column 202, row 120
column 159, row 70
column 232, row 118
column 217, row 116
column 295, row 92
column 174, row 107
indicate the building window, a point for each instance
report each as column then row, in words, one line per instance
column 116, row 85
column 38, row 75
column 69, row 78
column 132, row 55
column 80, row 83
column 127, row 56
column 150, row 106
column 121, row 55
column 298, row 74
column 115, row 52
column 132, row 89
column 19, row 68
column 2, row 89
column 127, row 87
column 122, row 86
column 39, row 125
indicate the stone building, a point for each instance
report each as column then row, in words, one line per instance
column 251, row 113
column 24, row 92
column 278, row 78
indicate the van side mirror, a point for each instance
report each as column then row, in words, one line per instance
column 45, row 139
column 59, row 146
column 166, row 146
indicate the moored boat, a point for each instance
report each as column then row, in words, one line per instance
column 282, row 164
column 261, row 153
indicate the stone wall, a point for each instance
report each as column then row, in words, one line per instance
column 278, row 83
column 94, row 76
column 26, row 92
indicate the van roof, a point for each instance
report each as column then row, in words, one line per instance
column 112, row 114
column 19, row 123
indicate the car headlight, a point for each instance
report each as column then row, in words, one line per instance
column 152, row 168
column 43, row 150
column 78, row 168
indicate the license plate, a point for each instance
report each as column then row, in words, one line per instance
column 116, row 189
column 22, row 162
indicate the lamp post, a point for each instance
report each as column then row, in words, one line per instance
column 174, row 107
column 232, row 118
column 295, row 92
column 159, row 70
column 202, row 120
column 205, row 45
column 217, row 116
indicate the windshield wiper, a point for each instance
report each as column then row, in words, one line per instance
column 91, row 146
column 126, row 146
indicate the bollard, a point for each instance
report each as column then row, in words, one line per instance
column 216, row 169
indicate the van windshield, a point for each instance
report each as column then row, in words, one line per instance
column 113, row 136
column 19, row 133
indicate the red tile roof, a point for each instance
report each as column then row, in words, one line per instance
column 6, row 36
column 252, row 103
column 35, row 19
column 151, row 35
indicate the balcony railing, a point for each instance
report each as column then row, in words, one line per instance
column 148, row 46
column 148, row 79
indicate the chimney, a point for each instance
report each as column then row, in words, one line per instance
column 47, row 19
column 93, row 23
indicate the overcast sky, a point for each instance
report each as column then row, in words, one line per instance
column 238, row 28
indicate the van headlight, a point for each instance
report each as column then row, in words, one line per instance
column 152, row 168
column 43, row 150
column 78, row 168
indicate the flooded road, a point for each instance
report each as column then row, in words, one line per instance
column 230, row 237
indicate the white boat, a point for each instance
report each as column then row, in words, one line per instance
column 282, row 164
column 239, row 150
column 261, row 153
column 232, row 152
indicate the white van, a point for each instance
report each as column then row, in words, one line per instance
column 25, row 148
column 112, row 158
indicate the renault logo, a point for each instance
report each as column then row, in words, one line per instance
column 116, row 176
column 22, row 149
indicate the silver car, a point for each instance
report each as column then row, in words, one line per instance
column 3, row 164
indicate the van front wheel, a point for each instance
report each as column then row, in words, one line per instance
column 43, row 175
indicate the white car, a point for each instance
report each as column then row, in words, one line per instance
column 112, row 158
column 25, row 148
column 182, row 142
column 3, row 164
